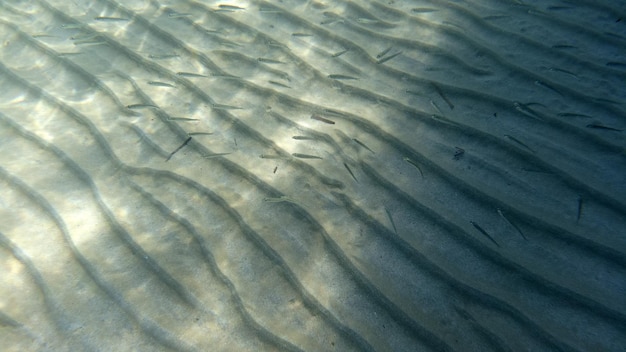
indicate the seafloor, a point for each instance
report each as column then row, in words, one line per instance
column 313, row 175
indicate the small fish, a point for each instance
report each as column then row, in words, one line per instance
column 73, row 26
column 279, row 84
column 181, row 119
column 606, row 101
column 225, row 107
column 495, row 17
column 268, row 156
column 518, row 142
column 564, row 46
column 275, row 44
column 340, row 77
column 265, row 9
column 414, row 164
column 423, row 10
column 84, row 36
column 110, row 19
column 231, row 7
column 334, row 113
column 178, row 15
column 580, row 208
column 558, row 8
column 385, row 59
column 199, row 133
column 443, row 96
column 444, row 120
column 414, row 92
column 602, row 127
column 141, row 106
column 556, row 69
column 298, row 34
column 279, row 199
column 332, row 20
column 163, row 56
column 524, row 109
column 458, row 153
column 572, row 114
column 275, row 168
column 69, row 54
column 615, row 64
column 224, row 76
column 547, row 86
column 337, row 54
column 535, row 170
column 306, row 156
column 362, row 145
column 322, row 119
column 303, row 138
column 484, row 233
column 179, row 148
column 510, row 223
column 161, row 84
column 190, row 74
column 269, row 61
column 350, row 171
column 364, row 20
column 89, row 42
column 391, row 220
column 215, row 155
column 384, row 52
column 434, row 105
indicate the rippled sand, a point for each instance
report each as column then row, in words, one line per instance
column 313, row 175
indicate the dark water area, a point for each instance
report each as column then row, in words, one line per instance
column 312, row 175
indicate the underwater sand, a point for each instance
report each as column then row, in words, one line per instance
column 361, row 175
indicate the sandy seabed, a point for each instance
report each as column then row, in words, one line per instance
column 313, row 175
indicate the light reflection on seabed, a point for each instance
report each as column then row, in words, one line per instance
column 312, row 175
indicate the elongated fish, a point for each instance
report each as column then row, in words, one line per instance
column 179, row 148
column 512, row 224
column 385, row 59
column 181, row 119
column 190, row 74
column 279, row 199
column 384, row 52
column 161, row 84
column 339, row 53
column 484, row 232
column 322, row 119
column 306, row 156
column 518, row 142
column 141, row 106
column 163, row 56
column 350, row 171
column 362, row 145
column 443, row 96
column 414, row 164
column 225, row 107
column 269, row 61
column 215, row 155
column 279, row 84
column 602, row 127
column 303, row 138
column 111, row 19
column 580, row 208
column 341, row 77
column 391, row 220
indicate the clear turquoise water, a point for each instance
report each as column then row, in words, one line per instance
column 361, row 175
